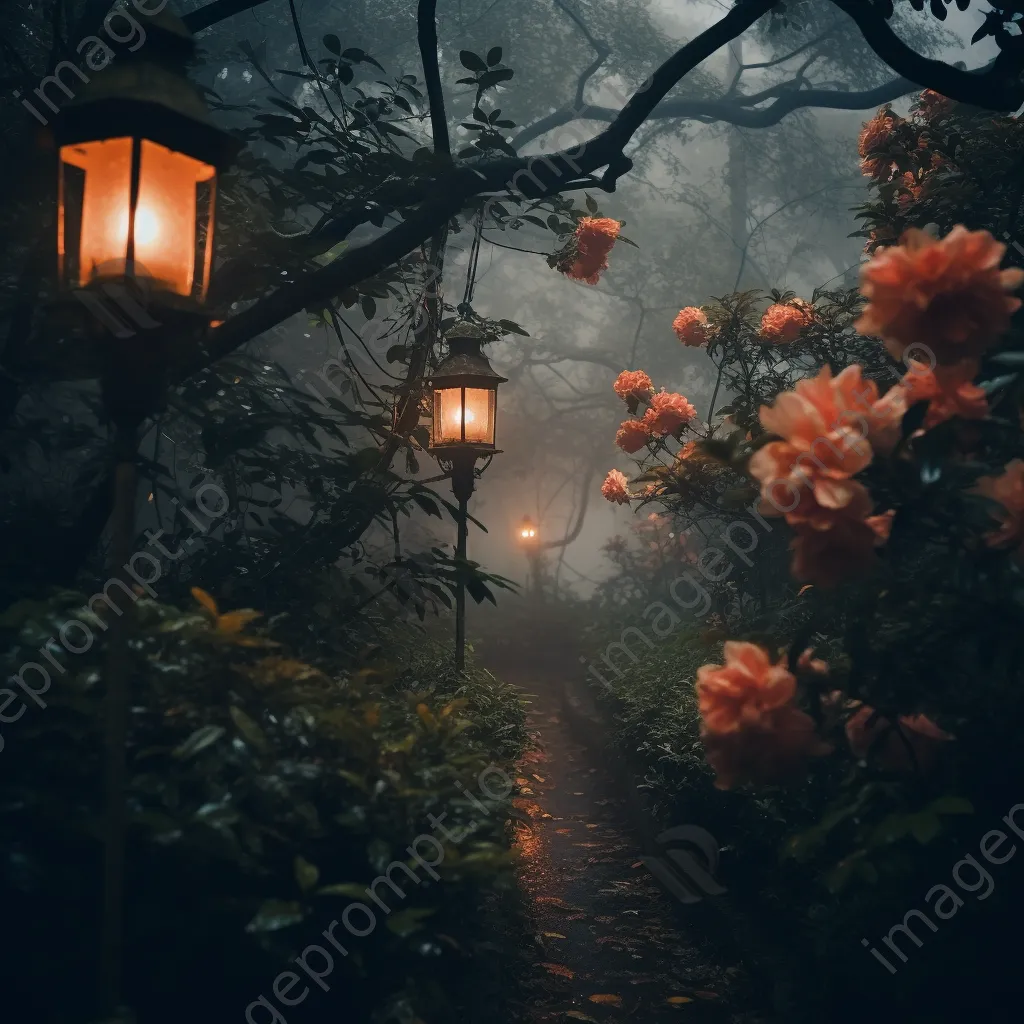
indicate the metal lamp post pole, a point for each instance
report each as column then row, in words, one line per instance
column 118, row 669
column 133, row 386
column 462, row 487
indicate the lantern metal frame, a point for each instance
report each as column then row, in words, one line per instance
column 144, row 97
column 465, row 368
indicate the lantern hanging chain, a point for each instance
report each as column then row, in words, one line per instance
column 474, row 262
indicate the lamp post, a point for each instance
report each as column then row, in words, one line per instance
column 529, row 540
column 138, row 161
column 465, row 406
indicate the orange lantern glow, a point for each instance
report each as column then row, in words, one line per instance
column 139, row 156
column 528, row 532
column 465, row 396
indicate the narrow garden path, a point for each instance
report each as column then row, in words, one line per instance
column 609, row 945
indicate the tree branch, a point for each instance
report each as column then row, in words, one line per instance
column 426, row 34
column 219, row 10
column 999, row 87
column 735, row 112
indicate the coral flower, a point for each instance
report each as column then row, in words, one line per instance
column 687, row 451
column 616, row 487
column 945, row 295
column 633, row 384
column 876, row 133
column 594, row 239
column 932, row 104
column 632, row 436
column 691, row 326
column 739, row 693
column 876, row 167
column 668, row 412
column 1008, row 490
column 910, row 191
column 869, row 733
column 783, row 322
column 825, row 423
column 948, row 390
column 777, row 747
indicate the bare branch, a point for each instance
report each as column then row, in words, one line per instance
column 219, row 10
column 998, row 87
column 426, row 34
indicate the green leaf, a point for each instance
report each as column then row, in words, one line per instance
column 251, row 732
column 306, row 874
column 951, row 805
column 351, row 889
column 472, row 61
column 407, row 921
column 199, row 740
column 276, row 914
column 925, row 826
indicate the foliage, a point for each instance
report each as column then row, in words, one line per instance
column 263, row 793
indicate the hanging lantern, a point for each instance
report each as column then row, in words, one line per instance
column 465, row 390
column 139, row 157
column 528, row 533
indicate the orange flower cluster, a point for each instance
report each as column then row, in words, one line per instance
column 876, row 135
column 947, row 296
column 593, row 241
column 633, row 384
column 751, row 729
column 1008, row 490
column 691, row 326
column 948, row 390
column 931, row 104
column 632, row 435
column 783, row 322
column 687, row 451
column 668, row 413
column 616, row 488
column 828, row 425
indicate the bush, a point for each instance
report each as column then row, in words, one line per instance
column 264, row 796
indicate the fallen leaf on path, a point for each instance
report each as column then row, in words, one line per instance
column 553, row 935
column 539, row 778
column 579, row 794
column 564, row 831
column 606, row 999
column 577, row 1015
column 554, row 901
column 637, row 864
column 678, row 1000
column 559, row 969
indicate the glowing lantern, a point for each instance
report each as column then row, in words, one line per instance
column 139, row 156
column 465, row 391
column 527, row 531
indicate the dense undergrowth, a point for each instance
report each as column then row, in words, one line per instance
column 265, row 795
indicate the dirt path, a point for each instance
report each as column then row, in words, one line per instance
column 609, row 944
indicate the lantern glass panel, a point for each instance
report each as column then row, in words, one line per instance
column 173, row 216
column 464, row 415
